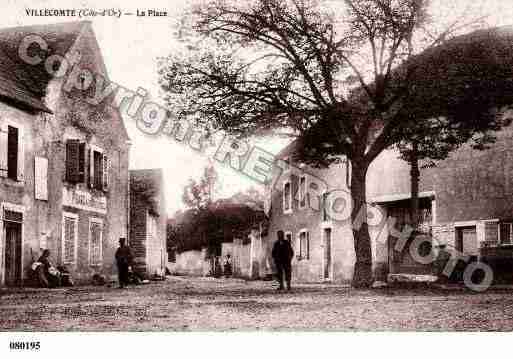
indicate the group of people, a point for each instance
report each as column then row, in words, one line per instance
column 48, row 276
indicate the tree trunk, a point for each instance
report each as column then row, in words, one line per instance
column 415, row 176
column 362, row 277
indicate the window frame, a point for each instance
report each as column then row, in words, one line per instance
column 302, row 196
column 284, row 199
column 324, row 213
column 499, row 239
column 63, row 238
column 300, row 246
column 20, row 156
column 81, row 153
column 99, row 221
column 92, row 168
column 484, row 243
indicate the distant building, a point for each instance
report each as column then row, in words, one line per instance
column 148, row 221
column 63, row 162
column 466, row 203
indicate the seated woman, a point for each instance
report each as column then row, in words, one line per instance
column 48, row 275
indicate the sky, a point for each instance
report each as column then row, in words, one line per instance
column 130, row 46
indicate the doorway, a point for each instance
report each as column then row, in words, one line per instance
column 13, row 254
column 327, row 275
column 466, row 240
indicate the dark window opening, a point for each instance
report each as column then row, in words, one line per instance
column 98, row 170
column 12, row 153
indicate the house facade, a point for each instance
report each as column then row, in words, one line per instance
column 148, row 221
column 466, row 204
column 63, row 162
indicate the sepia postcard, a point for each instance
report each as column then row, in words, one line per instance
column 193, row 168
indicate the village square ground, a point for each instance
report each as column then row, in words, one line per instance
column 185, row 304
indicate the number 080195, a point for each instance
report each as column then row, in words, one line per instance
column 24, row 345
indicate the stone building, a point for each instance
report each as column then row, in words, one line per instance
column 148, row 221
column 465, row 203
column 63, row 161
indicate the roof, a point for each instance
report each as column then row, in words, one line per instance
column 24, row 83
column 290, row 149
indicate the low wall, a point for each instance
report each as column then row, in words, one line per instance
column 191, row 263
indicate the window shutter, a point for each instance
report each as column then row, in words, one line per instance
column 91, row 168
column 3, row 150
column 95, row 250
column 69, row 234
column 41, row 178
column 21, row 155
column 72, row 160
column 106, row 167
column 81, row 162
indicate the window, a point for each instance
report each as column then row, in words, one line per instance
column 491, row 233
column 11, row 152
column 95, row 241
column 75, row 161
column 505, row 233
column 325, row 204
column 76, row 165
column 304, row 245
column 287, row 197
column 99, row 169
column 69, row 238
column 302, row 192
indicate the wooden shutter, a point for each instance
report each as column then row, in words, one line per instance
column 21, row 155
column 12, row 152
column 95, row 250
column 3, row 150
column 106, row 167
column 91, row 168
column 72, row 160
column 69, row 242
column 41, row 178
column 81, row 162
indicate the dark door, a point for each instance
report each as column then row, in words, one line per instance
column 327, row 253
column 466, row 240
column 12, row 253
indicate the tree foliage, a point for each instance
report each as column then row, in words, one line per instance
column 221, row 221
column 200, row 194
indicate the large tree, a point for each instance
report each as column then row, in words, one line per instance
column 343, row 76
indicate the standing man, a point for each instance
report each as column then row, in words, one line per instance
column 123, row 261
column 282, row 255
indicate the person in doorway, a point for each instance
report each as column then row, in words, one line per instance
column 123, row 262
column 282, row 254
